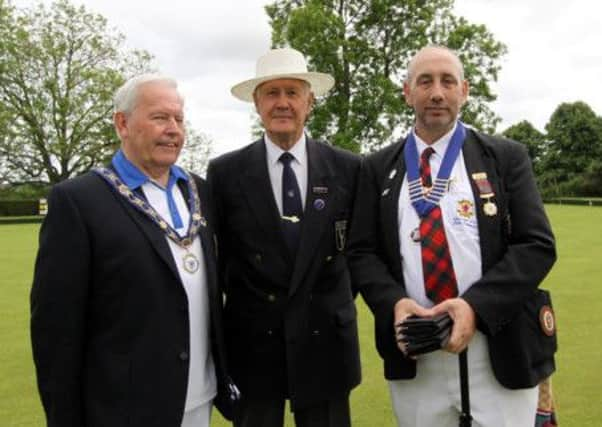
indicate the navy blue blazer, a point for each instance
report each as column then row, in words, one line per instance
column 290, row 322
column 109, row 314
column 517, row 250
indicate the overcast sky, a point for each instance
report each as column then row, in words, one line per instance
column 554, row 54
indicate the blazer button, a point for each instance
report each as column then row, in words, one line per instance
column 183, row 356
column 258, row 257
column 270, row 332
column 316, row 332
column 271, row 297
column 329, row 258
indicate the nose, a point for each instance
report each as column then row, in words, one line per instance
column 436, row 92
column 282, row 102
column 174, row 126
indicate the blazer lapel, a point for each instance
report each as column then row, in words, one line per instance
column 257, row 189
column 477, row 161
column 318, row 211
column 153, row 233
column 389, row 206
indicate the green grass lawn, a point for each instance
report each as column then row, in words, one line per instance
column 575, row 282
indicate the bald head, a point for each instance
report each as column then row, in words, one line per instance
column 434, row 51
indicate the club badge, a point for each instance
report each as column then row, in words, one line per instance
column 547, row 322
column 319, row 204
column 465, row 208
column 340, row 231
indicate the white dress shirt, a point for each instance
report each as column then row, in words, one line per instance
column 202, row 383
column 275, row 166
column 459, row 219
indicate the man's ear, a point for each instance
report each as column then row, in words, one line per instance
column 255, row 101
column 120, row 123
column 407, row 94
column 465, row 90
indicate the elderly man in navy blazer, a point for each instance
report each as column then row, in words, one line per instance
column 283, row 204
column 125, row 309
column 449, row 221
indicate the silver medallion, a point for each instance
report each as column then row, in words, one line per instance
column 190, row 263
column 490, row 209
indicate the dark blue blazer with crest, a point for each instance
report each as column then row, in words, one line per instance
column 517, row 250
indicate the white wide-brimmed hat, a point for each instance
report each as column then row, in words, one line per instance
column 282, row 64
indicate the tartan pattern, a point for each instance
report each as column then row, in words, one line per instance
column 439, row 276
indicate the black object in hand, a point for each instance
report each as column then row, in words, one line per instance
column 423, row 335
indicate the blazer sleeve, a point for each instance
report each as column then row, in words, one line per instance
column 530, row 249
column 58, row 310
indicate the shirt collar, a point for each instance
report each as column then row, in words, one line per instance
column 135, row 178
column 274, row 151
column 440, row 146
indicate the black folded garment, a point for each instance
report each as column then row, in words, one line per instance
column 423, row 335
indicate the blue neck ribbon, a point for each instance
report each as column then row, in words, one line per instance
column 425, row 202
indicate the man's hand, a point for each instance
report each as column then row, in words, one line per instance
column 464, row 323
column 404, row 308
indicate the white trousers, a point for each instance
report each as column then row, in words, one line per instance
column 199, row 416
column 432, row 399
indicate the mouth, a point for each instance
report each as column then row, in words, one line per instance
column 170, row 145
column 437, row 109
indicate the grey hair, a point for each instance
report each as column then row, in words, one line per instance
column 126, row 96
column 455, row 55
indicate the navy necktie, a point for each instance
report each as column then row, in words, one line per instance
column 292, row 209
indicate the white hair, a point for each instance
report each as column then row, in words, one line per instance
column 126, row 96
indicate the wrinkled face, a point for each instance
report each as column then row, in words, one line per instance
column 436, row 91
column 283, row 106
column 152, row 134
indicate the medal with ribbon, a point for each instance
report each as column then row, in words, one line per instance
column 485, row 192
column 425, row 199
column 190, row 262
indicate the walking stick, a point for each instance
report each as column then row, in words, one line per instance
column 465, row 417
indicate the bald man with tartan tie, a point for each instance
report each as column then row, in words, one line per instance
column 449, row 221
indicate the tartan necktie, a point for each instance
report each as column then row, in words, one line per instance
column 439, row 277
column 292, row 209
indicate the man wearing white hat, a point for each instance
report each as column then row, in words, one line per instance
column 283, row 204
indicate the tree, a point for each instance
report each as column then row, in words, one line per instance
column 59, row 68
column 525, row 133
column 194, row 157
column 366, row 46
column 572, row 159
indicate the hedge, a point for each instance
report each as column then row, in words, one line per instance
column 580, row 201
column 19, row 207
column 4, row 220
